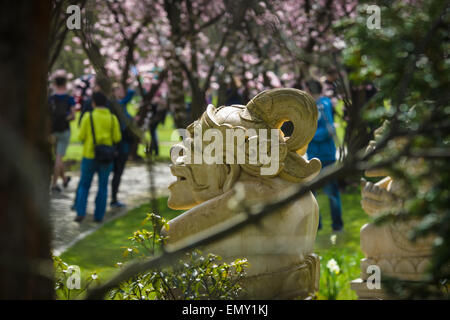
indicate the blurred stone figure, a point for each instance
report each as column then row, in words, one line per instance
column 387, row 246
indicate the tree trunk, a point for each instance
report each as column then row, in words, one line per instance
column 222, row 92
column 176, row 89
column 198, row 103
column 25, row 258
column 176, row 95
column 357, row 135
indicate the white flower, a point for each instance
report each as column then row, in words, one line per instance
column 339, row 44
column 333, row 266
column 333, row 239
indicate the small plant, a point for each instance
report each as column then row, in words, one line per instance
column 194, row 277
column 332, row 271
column 144, row 241
column 68, row 282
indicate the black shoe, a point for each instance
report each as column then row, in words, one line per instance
column 66, row 182
column 79, row 218
column 98, row 221
column 56, row 189
column 117, row 204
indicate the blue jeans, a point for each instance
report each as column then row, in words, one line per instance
column 332, row 191
column 88, row 168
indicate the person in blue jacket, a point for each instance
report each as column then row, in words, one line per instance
column 322, row 147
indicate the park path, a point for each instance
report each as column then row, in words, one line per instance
column 134, row 191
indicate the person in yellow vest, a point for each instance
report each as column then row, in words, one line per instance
column 99, row 132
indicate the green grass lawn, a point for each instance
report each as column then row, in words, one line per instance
column 346, row 251
column 100, row 251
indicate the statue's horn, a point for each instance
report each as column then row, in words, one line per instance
column 277, row 106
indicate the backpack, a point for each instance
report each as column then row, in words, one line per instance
column 59, row 110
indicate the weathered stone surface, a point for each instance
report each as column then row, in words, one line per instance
column 280, row 248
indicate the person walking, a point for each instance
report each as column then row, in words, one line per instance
column 99, row 132
column 62, row 111
column 86, row 107
column 322, row 146
column 124, row 146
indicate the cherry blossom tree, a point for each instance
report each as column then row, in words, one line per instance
column 286, row 38
column 190, row 48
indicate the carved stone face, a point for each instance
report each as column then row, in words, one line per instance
column 196, row 183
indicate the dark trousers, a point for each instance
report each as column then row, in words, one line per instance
column 119, row 166
column 332, row 191
column 154, row 145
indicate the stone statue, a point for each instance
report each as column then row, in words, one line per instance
column 279, row 248
column 388, row 245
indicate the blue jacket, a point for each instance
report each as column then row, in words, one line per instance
column 123, row 103
column 322, row 145
column 124, row 147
